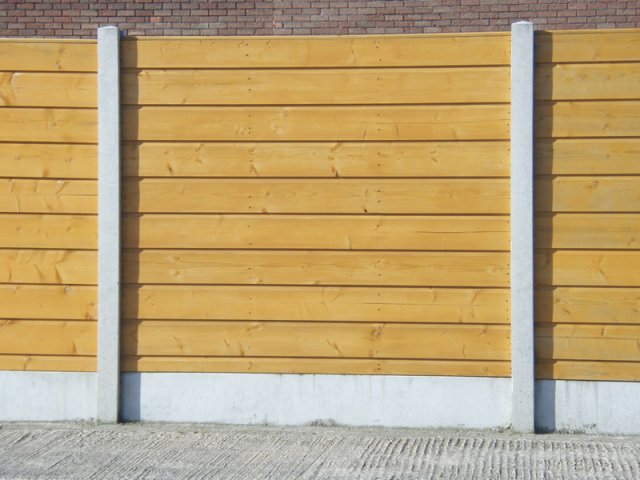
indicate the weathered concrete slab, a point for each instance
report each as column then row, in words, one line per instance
column 193, row 451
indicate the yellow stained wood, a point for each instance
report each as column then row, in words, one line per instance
column 588, row 231
column 48, row 266
column 587, row 305
column 587, row 119
column 57, row 125
column 48, row 363
column 27, row 89
column 591, row 156
column 337, row 123
column 568, row 370
column 341, row 232
column 317, row 159
column 48, row 196
column 48, row 302
column 348, row 304
column 48, row 55
column 588, row 342
column 588, row 268
column 316, row 365
column 587, row 81
column 588, row 194
column 449, row 269
column 47, row 337
column 325, row 86
column 305, row 52
column 588, row 46
column 48, row 160
column 48, row 231
column 417, row 196
column 334, row 340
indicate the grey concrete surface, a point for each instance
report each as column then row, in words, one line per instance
column 86, row 451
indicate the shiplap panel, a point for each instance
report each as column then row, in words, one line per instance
column 48, row 231
column 48, row 196
column 450, row 269
column 58, row 302
column 313, row 303
column 31, row 89
column 587, row 305
column 588, row 46
column 74, row 267
column 47, row 160
column 586, row 370
column 335, row 196
column 335, row 123
column 588, row 268
column 337, row 340
column 308, row 52
column 339, row 232
column 56, row 125
column 48, row 363
column 317, row 159
column 48, row 55
column 47, row 337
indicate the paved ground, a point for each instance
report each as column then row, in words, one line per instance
column 196, row 451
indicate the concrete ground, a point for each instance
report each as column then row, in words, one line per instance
column 86, row 451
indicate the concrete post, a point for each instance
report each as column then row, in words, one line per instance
column 108, row 376
column 522, row 327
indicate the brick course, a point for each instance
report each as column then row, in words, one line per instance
column 80, row 18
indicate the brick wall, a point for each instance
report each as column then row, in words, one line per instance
column 79, row 18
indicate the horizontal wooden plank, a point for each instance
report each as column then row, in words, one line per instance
column 340, row 232
column 476, row 368
column 588, row 231
column 48, row 160
column 47, row 337
column 48, row 302
column 48, row 55
column 600, row 81
column 74, row 267
column 581, row 370
column 588, row 342
column 413, row 196
column 57, row 125
column 48, row 231
column 588, row 268
column 28, row 89
column 49, row 363
column 325, row 86
column 317, row 159
column 588, row 194
column 616, row 118
column 305, row 52
column 358, row 123
column 588, row 46
column 478, row 269
column 48, row 196
column 590, row 156
column 333, row 340
column 349, row 304
column 587, row 305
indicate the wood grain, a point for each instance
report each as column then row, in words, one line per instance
column 317, row 159
column 47, row 337
column 48, row 55
column 588, row 46
column 48, row 160
column 48, row 267
column 48, row 231
column 48, row 196
column 306, row 52
column 478, row 269
column 339, row 232
column 376, row 340
column 320, row 87
column 346, row 304
column 338, row 123
column 48, row 363
column 31, row 89
column 583, row 370
column 56, row 125
column 588, row 231
column 48, row 302
column 588, row 268
column 407, row 196
column 476, row 368
column 587, row 305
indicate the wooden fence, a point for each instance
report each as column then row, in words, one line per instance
column 323, row 205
